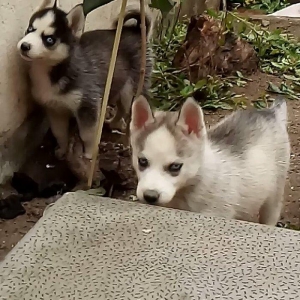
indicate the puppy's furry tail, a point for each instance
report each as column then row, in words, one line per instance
column 280, row 109
column 134, row 13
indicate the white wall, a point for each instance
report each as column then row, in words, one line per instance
column 14, row 95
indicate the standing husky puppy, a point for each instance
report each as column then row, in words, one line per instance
column 234, row 170
column 68, row 70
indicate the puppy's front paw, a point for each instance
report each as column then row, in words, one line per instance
column 119, row 125
column 88, row 155
column 60, row 153
column 123, row 126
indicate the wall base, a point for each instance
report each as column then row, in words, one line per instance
column 21, row 144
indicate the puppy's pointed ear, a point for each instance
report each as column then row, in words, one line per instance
column 43, row 5
column 76, row 20
column 141, row 114
column 191, row 119
column 56, row 4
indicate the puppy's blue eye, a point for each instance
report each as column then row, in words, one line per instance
column 175, row 167
column 49, row 40
column 143, row 162
column 29, row 29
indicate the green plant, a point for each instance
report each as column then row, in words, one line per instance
column 268, row 6
column 170, row 86
column 279, row 53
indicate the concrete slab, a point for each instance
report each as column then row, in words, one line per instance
column 86, row 247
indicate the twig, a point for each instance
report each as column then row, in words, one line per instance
column 174, row 26
column 186, row 57
column 111, row 190
column 249, row 24
column 143, row 49
column 224, row 5
column 225, row 15
column 107, row 90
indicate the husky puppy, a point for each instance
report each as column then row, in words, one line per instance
column 68, row 69
column 233, row 170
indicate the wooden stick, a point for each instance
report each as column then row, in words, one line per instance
column 143, row 49
column 110, row 74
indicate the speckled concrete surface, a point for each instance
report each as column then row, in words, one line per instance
column 87, row 247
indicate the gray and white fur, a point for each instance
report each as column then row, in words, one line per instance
column 68, row 69
column 236, row 169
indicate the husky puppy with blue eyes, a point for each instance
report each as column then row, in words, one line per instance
column 68, row 69
column 236, row 169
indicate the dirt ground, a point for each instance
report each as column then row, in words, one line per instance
column 116, row 164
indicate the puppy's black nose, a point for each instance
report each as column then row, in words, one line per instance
column 25, row 47
column 151, row 196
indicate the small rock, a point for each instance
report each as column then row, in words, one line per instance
column 35, row 212
column 50, row 166
column 133, row 198
column 265, row 23
column 280, row 224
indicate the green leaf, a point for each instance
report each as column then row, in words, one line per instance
column 187, row 91
column 239, row 74
column 212, row 13
column 241, row 83
column 259, row 104
column 291, row 77
column 274, row 88
column 164, row 6
column 216, row 105
column 200, row 84
column 224, row 105
column 96, row 192
column 90, row 5
column 276, row 64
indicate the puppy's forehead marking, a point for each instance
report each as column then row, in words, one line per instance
column 160, row 145
column 161, row 119
column 45, row 23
